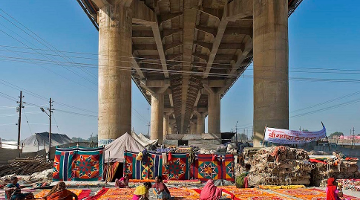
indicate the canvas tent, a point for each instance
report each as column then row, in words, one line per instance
column 143, row 140
column 37, row 141
column 117, row 148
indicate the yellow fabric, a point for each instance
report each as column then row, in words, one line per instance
column 140, row 190
column 139, row 156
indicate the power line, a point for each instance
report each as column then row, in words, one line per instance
column 155, row 70
column 37, row 38
column 76, row 113
column 43, row 67
column 47, row 44
column 6, row 83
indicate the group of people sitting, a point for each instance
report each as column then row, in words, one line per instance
column 142, row 192
column 58, row 192
column 209, row 191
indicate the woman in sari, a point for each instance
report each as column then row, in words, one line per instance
column 210, row 191
column 331, row 190
column 160, row 189
column 59, row 192
column 122, row 182
column 142, row 192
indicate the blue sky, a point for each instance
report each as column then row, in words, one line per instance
column 324, row 44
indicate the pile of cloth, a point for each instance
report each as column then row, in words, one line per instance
column 337, row 166
column 279, row 166
column 350, row 184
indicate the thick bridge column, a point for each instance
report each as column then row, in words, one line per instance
column 157, row 114
column 200, row 123
column 166, row 124
column 115, row 29
column 214, row 111
column 193, row 127
column 271, row 63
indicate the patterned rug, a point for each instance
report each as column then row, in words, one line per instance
column 251, row 194
column 183, row 193
column 177, row 168
column 79, row 164
column 80, row 193
column 117, row 193
column 151, row 166
column 228, row 167
column 206, row 168
column 308, row 194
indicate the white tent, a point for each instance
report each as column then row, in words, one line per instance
column 144, row 141
column 117, row 148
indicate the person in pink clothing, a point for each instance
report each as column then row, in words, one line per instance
column 210, row 191
column 122, row 182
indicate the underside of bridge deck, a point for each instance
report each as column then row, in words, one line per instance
column 184, row 56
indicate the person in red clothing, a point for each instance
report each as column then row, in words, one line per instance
column 331, row 190
column 160, row 189
column 210, row 191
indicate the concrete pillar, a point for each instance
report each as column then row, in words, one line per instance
column 200, row 123
column 193, row 127
column 165, row 125
column 214, row 112
column 271, row 65
column 157, row 114
column 114, row 95
column 170, row 130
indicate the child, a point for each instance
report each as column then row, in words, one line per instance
column 142, row 192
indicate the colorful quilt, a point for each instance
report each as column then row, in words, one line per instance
column 80, row 193
column 206, row 168
column 78, row 164
column 63, row 165
column 118, row 193
column 149, row 168
column 227, row 167
column 177, row 168
column 302, row 193
column 251, row 194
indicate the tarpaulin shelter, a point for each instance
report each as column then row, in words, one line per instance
column 38, row 141
column 114, row 152
column 143, row 140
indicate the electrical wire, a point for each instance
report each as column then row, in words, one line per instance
column 27, row 121
column 153, row 70
column 37, row 38
column 56, row 123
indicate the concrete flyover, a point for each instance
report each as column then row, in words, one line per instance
column 184, row 55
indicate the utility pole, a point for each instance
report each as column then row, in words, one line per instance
column 50, row 111
column 148, row 125
column 19, row 121
column 353, row 136
column 236, row 136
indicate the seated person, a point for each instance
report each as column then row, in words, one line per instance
column 160, row 189
column 59, row 192
column 13, row 191
column 142, row 192
column 210, row 191
column 331, row 190
column 242, row 181
column 122, row 182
